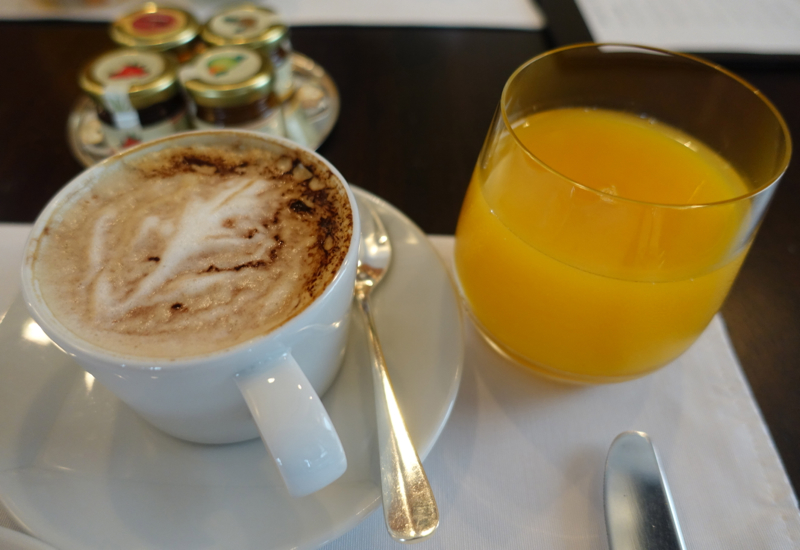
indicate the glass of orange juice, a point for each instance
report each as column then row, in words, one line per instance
column 613, row 202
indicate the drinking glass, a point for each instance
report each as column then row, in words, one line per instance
column 586, row 283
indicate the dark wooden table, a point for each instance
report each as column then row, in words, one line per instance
column 416, row 105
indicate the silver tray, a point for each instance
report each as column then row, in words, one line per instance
column 310, row 114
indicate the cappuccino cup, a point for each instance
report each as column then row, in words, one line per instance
column 206, row 279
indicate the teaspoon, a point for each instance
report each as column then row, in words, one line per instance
column 409, row 506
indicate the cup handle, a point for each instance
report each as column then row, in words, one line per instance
column 294, row 425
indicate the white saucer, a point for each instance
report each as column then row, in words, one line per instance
column 81, row 471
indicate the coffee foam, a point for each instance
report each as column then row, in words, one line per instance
column 193, row 249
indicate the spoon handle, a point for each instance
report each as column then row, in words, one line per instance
column 408, row 503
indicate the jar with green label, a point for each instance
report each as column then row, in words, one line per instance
column 231, row 87
column 258, row 28
column 137, row 96
column 157, row 28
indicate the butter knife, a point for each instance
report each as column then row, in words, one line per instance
column 640, row 514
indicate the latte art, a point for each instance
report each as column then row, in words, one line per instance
column 193, row 249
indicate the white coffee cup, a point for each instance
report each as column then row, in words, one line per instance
column 269, row 385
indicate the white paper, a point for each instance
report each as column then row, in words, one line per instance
column 735, row 26
column 511, row 14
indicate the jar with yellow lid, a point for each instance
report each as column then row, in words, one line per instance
column 137, row 95
column 231, row 87
column 258, row 28
column 159, row 28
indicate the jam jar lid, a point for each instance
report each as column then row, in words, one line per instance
column 155, row 27
column 245, row 25
column 228, row 76
column 148, row 77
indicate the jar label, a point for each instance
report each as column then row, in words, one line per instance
column 117, row 99
column 227, row 66
column 243, row 23
column 283, row 79
column 121, row 138
column 163, row 21
column 130, row 66
column 273, row 124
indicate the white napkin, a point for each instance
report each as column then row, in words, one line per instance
column 520, row 463
column 513, row 14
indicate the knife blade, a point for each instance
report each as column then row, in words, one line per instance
column 640, row 513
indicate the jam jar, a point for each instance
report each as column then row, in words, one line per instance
column 137, row 95
column 231, row 86
column 259, row 28
column 159, row 28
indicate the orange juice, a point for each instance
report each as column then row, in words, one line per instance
column 605, row 252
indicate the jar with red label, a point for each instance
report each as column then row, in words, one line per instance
column 137, row 95
column 231, row 87
column 258, row 28
column 162, row 29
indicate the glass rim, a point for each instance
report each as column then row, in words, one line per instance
column 699, row 60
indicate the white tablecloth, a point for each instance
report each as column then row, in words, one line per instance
column 512, row 14
column 520, row 463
